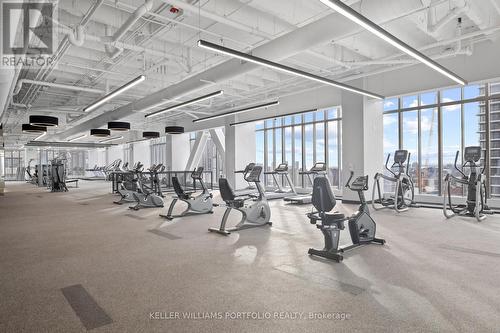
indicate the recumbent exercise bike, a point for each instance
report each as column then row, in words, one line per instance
column 253, row 207
column 362, row 227
column 199, row 204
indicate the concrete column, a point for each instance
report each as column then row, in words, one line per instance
column 362, row 139
column 240, row 150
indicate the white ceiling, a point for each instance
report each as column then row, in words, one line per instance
column 162, row 46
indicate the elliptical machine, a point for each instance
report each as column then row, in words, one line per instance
column 404, row 193
column 361, row 225
column 475, row 205
column 200, row 204
column 127, row 194
column 253, row 207
column 148, row 198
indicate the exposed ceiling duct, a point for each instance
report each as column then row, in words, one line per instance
column 294, row 42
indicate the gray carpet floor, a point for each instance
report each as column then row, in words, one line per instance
column 72, row 262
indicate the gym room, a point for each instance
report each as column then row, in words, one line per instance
column 250, row 166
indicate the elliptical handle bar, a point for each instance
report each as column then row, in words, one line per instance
column 408, row 165
column 387, row 162
column 456, row 167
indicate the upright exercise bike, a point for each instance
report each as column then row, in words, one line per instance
column 149, row 198
column 475, row 205
column 361, row 225
column 127, row 188
column 404, row 193
column 199, row 204
column 254, row 208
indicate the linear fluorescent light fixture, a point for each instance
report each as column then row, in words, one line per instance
column 264, row 62
column 272, row 117
column 378, row 31
column 190, row 102
column 111, row 139
column 219, row 115
column 77, row 138
column 115, row 93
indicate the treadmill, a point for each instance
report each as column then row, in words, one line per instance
column 280, row 193
column 318, row 169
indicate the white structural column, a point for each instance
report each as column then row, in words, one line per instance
column 177, row 151
column 362, row 139
column 240, row 150
column 197, row 151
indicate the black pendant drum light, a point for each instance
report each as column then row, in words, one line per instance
column 100, row 132
column 43, row 121
column 28, row 128
column 118, row 126
column 150, row 135
column 174, row 129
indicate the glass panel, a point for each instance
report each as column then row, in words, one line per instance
column 333, row 153
column 473, row 91
column 391, row 143
column 287, row 156
column 309, row 146
column 390, row 104
column 277, row 122
column 297, row 163
column 320, row 142
column 451, row 95
column 297, row 119
column 428, row 98
column 288, row 120
column 270, row 156
column 410, row 142
column 495, row 148
column 429, row 182
column 391, row 133
column 269, row 123
column 259, row 125
column 320, row 115
column 278, row 146
column 452, row 143
column 259, row 149
column 332, row 113
column 495, row 88
column 410, row 101
column 309, row 117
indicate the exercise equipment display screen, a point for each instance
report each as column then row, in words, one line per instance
column 400, row 156
column 472, row 153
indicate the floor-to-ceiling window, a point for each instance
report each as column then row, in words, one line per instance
column 434, row 125
column 300, row 140
column 14, row 165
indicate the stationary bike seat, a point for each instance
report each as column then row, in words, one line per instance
column 334, row 218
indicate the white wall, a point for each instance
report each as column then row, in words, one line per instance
column 142, row 153
column 113, row 153
column 97, row 157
